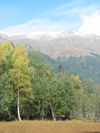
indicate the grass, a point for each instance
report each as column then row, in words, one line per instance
column 49, row 127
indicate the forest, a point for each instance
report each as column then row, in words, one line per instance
column 85, row 67
column 31, row 90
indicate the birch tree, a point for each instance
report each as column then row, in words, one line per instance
column 19, row 76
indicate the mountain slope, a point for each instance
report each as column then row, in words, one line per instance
column 79, row 54
column 88, row 67
column 57, row 44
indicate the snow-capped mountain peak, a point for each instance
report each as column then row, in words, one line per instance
column 62, row 43
column 38, row 35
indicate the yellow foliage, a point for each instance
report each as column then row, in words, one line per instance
column 20, row 52
column 48, row 72
column 72, row 76
column 2, row 58
column 20, row 73
column 76, row 78
column 7, row 47
column 31, row 71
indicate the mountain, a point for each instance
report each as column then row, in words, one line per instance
column 77, row 53
column 56, row 44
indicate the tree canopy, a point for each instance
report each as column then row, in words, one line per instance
column 30, row 89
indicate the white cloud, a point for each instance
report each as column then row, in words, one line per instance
column 91, row 24
column 37, row 25
column 61, row 18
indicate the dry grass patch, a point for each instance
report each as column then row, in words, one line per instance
column 49, row 127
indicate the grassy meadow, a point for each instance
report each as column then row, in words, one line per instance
column 49, row 127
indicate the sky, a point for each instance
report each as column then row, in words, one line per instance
column 19, row 16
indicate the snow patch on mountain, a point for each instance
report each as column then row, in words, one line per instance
column 38, row 35
column 62, row 43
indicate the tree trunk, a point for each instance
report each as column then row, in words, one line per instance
column 93, row 116
column 42, row 114
column 11, row 92
column 53, row 116
column 18, row 111
column 70, row 117
column 9, row 115
column 42, row 118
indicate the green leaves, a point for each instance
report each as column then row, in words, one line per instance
column 28, row 83
column 5, row 95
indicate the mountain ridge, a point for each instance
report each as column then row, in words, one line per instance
column 56, row 44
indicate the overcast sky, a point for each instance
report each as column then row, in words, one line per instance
column 18, row 16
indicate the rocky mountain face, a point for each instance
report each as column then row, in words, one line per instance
column 56, row 44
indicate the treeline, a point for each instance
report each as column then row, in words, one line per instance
column 30, row 89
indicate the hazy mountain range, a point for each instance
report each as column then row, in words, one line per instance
column 56, row 44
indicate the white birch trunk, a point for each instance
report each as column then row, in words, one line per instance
column 53, row 116
column 18, row 111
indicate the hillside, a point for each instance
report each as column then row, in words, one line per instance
column 56, row 44
column 86, row 67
